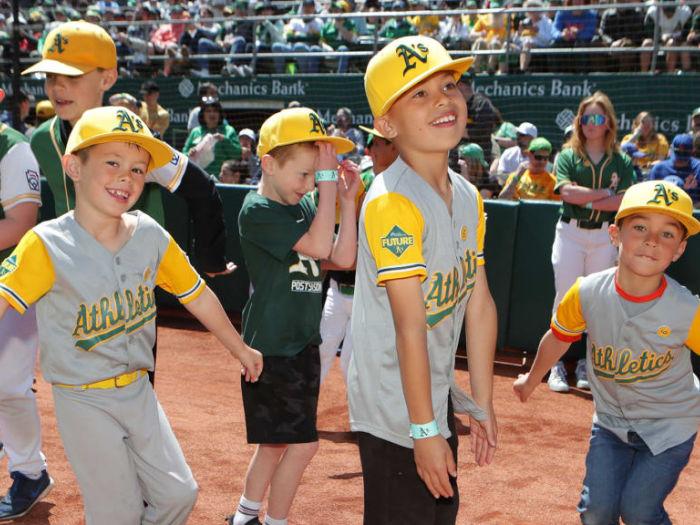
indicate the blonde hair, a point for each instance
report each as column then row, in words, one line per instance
column 282, row 154
column 577, row 142
column 653, row 135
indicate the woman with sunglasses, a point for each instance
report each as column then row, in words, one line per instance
column 592, row 174
column 213, row 141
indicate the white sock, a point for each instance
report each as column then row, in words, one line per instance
column 273, row 521
column 247, row 511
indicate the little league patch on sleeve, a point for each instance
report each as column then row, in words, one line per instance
column 33, row 180
column 397, row 241
column 9, row 265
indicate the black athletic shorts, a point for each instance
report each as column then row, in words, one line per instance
column 394, row 493
column 281, row 406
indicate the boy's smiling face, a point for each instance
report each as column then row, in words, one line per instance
column 109, row 178
column 290, row 181
column 430, row 117
column 648, row 243
column 73, row 95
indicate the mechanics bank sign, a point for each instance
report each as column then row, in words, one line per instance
column 554, row 87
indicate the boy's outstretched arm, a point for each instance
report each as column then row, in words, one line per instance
column 208, row 310
column 481, row 326
column 433, row 455
column 549, row 352
column 344, row 249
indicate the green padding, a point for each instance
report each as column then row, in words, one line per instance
column 177, row 222
column 532, row 287
column 232, row 289
column 685, row 270
column 499, row 249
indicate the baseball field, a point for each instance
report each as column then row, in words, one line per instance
column 535, row 477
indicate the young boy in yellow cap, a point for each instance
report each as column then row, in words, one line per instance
column 641, row 325
column 532, row 180
column 420, row 273
column 92, row 273
column 79, row 60
column 283, row 237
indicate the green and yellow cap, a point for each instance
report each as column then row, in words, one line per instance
column 371, row 133
column 117, row 124
column 76, row 48
column 402, row 64
column 294, row 125
column 659, row 196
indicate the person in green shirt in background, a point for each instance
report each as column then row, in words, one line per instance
column 213, row 141
column 338, row 33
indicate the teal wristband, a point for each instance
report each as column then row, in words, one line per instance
column 326, row 175
column 427, row 430
column 589, row 206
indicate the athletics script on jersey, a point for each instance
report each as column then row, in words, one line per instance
column 113, row 315
column 622, row 366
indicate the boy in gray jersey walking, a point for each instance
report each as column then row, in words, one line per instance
column 641, row 327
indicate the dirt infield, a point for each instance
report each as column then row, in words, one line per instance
column 535, row 478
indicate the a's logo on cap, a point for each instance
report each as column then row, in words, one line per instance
column 669, row 197
column 318, row 126
column 410, row 54
column 127, row 123
column 58, row 42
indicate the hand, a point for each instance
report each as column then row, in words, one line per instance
column 348, row 180
column 434, row 461
column 690, row 182
column 524, row 165
column 523, row 388
column 230, row 268
column 483, row 437
column 251, row 364
column 326, row 159
column 218, row 136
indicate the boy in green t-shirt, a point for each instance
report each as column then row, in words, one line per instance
column 283, row 236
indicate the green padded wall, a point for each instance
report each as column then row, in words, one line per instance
column 532, row 286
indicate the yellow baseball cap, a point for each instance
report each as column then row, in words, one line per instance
column 402, row 64
column 294, row 125
column 659, row 196
column 117, row 124
column 44, row 109
column 76, row 48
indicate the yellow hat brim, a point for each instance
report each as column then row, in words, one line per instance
column 691, row 224
column 458, row 67
column 342, row 145
column 58, row 68
column 160, row 152
column 374, row 132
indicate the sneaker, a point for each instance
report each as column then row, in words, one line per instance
column 24, row 494
column 582, row 375
column 254, row 521
column 557, row 378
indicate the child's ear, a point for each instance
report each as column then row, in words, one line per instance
column 614, row 232
column 268, row 164
column 680, row 250
column 109, row 78
column 71, row 165
column 384, row 126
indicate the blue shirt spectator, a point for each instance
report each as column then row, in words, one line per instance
column 681, row 164
column 575, row 26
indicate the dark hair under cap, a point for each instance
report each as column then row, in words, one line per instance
column 210, row 101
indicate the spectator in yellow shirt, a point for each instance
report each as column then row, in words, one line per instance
column 153, row 114
column 532, row 180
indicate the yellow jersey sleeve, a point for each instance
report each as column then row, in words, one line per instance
column 27, row 274
column 693, row 341
column 480, row 232
column 394, row 229
column 568, row 323
column 176, row 275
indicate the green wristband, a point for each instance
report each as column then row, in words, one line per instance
column 589, row 206
column 327, row 175
column 426, row 430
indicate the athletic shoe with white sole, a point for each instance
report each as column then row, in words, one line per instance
column 582, row 375
column 557, row 378
column 24, row 494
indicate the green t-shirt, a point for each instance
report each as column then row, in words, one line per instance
column 48, row 146
column 398, row 28
column 614, row 171
column 229, row 148
column 283, row 314
column 330, row 34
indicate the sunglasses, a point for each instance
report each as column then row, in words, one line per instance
column 596, row 120
column 541, row 157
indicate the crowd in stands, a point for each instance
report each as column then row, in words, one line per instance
column 159, row 37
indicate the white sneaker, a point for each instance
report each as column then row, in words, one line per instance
column 582, row 375
column 557, row 378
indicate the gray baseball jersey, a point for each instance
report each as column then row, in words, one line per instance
column 638, row 360
column 95, row 308
column 407, row 230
